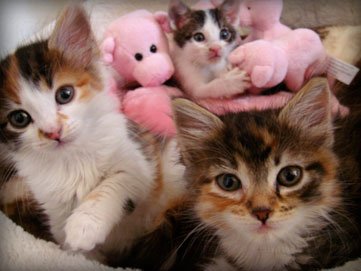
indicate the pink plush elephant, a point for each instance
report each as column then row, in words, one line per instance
column 263, row 16
column 273, row 52
column 136, row 47
column 298, row 54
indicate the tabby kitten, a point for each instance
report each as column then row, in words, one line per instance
column 273, row 186
column 99, row 179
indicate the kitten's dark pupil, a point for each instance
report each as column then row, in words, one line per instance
column 64, row 94
column 289, row 176
column 249, row 8
column 228, row 182
column 138, row 56
column 153, row 48
column 198, row 37
column 19, row 119
column 224, row 34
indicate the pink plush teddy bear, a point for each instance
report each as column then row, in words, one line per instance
column 136, row 47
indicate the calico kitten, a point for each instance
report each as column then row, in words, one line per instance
column 100, row 180
column 202, row 41
column 275, row 187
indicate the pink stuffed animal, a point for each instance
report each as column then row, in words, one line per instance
column 299, row 54
column 263, row 16
column 273, row 52
column 293, row 58
column 136, row 47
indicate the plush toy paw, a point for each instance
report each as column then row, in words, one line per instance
column 150, row 108
column 83, row 231
column 261, row 75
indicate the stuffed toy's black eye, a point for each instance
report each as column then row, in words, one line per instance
column 153, row 48
column 138, row 57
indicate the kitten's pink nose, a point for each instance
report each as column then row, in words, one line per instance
column 54, row 135
column 215, row 50
column 262, row 213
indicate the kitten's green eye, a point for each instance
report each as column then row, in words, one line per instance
column 198, row 37
column 289, row 176
column 228, row 182
column 224, row 34
column 19, row 119
column 64, row 94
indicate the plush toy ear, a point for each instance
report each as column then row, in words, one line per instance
column 310, row 109
column 163, row 20
column 107, row 47
column 231, row 9
column 73, row 37
column 177, row 12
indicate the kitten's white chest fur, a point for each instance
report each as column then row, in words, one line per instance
column 101, row 162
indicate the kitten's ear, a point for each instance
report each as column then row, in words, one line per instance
column 310, row 109
column 231, row 9
column 194, row 124
column 177, row 12
column 73, row 37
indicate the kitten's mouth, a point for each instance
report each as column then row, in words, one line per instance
column 59, row 143
column 264, row 228
column 214, row 57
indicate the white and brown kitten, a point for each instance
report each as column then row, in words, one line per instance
column 100, row 180
column 202, row 41
column 280, row 190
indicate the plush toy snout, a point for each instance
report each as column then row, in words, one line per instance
column 153, row 70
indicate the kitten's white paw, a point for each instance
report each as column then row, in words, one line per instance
column 236, row 81
column 83, row 231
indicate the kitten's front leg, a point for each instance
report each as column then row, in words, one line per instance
column 232, row 82
column 91, row 222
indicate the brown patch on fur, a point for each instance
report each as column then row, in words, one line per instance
column 94, row 196
column 12, row 83
column 62, row 116
column 219, row 203
column 174, row 209
column 41, row 134
column 153, row 149
column 85, row 94
column 86, row 81
column 18, row 204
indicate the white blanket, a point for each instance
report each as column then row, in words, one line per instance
column 20, row 251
